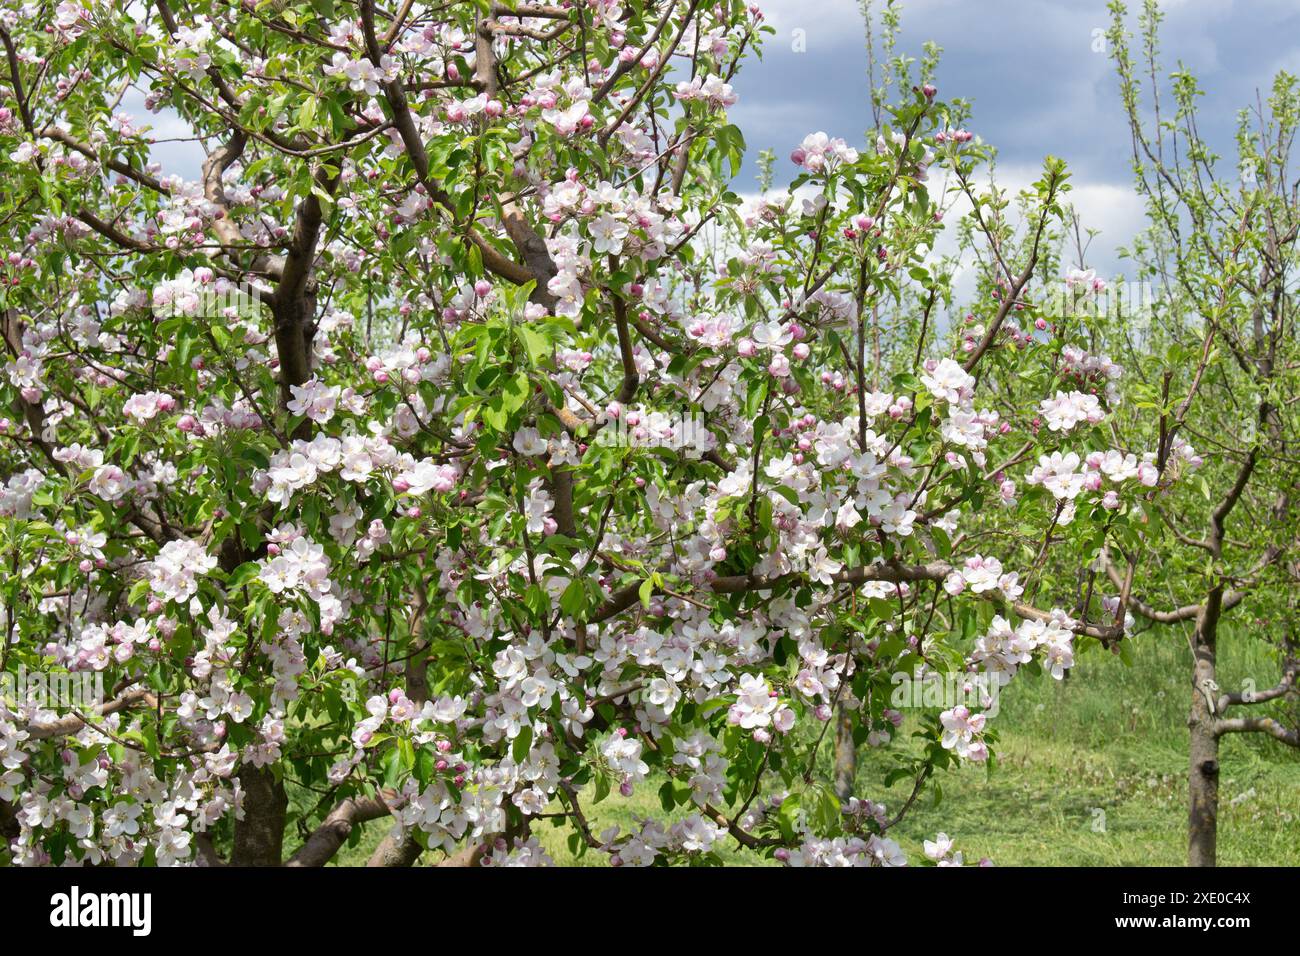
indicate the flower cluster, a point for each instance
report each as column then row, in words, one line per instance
column 173, row 574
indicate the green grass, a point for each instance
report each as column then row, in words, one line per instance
column 1113, row 739
column 1106, row 745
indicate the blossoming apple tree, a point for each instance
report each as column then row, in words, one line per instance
column 354, row 464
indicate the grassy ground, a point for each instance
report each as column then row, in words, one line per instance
column 1092, row 773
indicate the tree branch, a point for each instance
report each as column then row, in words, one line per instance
column 333, row 832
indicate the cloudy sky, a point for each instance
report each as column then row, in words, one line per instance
column 1036, row 83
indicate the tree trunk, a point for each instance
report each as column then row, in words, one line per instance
column 295, row 327
column 846, row 754
column 9, row 828
column 259, row 837
column 1203, row 768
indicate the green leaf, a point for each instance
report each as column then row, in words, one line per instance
column 667, row 796
column 534, row 343
column 519, row 749
column 574, row 599
column 243, row 574
column 392, row 766
column 307, row 112
column 138, row 591
column 406, row 753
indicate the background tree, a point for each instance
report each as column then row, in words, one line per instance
column 1216, row 357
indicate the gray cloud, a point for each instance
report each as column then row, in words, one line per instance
column 1030, row 69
